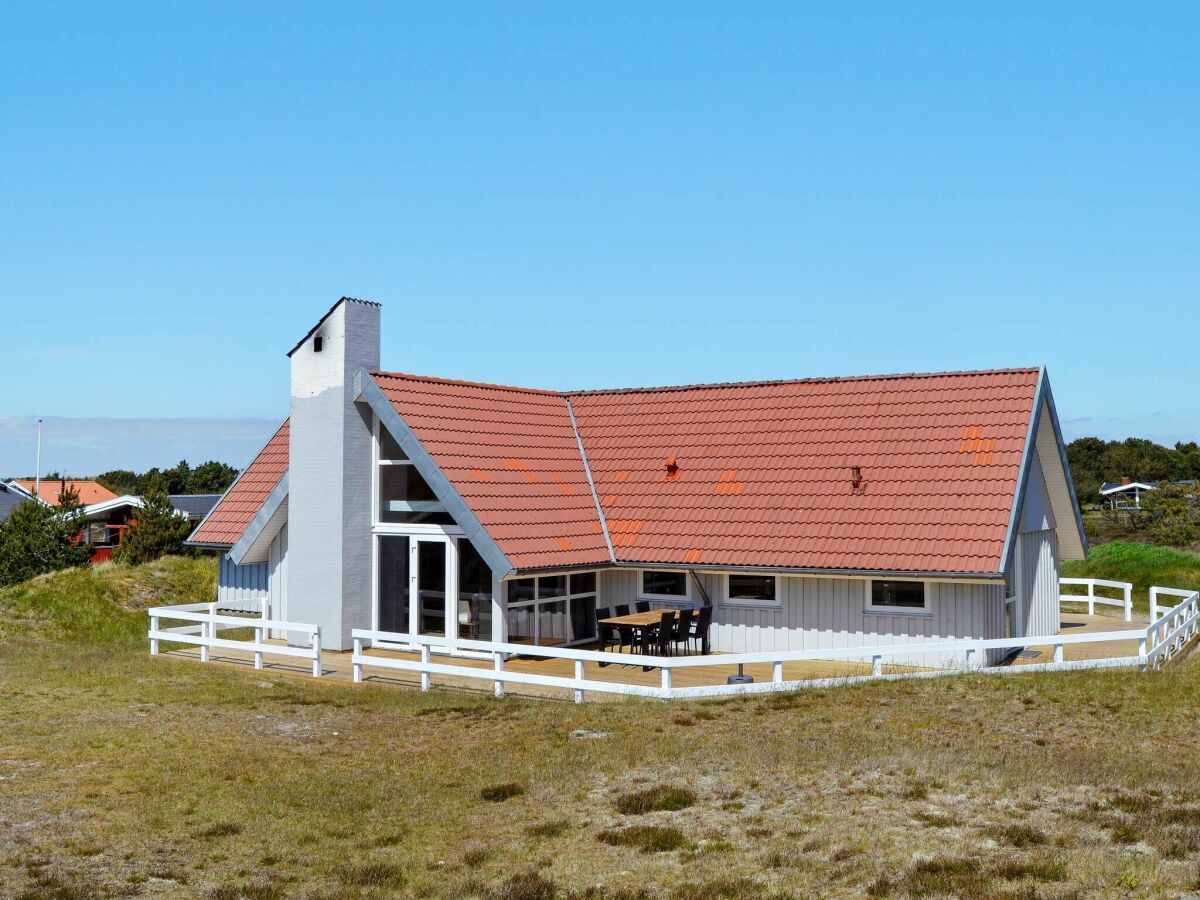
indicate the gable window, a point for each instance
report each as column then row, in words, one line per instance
column 752, row 590
column 658, row 584
column 404, row 496
column 904, row 597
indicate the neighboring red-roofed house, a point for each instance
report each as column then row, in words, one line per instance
column 807, row 513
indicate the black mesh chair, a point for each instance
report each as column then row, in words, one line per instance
column 606, row 635
column 666, row 633
column 642, row 606
column 683, row 628
column 622, row 609
column 700, row 627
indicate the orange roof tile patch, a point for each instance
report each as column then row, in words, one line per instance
column 562, row 485
column 563, row 543
column 623, row 475
column 727, row 485
column 233, row 512
column 624, row 532
column 693, row 556
column 518, row 465
column 480, row 474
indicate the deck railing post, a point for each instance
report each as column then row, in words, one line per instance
column 777, row 671
column 208, row 631
column 355, row 666
column 259, row 639
column 498, row 666
column 579, row 677
column 1128, row 590
column 424, row 671
column 1142, row 650
column 666, row 683
column 153, row 628
column 876, row 665
column 1153, row 605
column 1091, row 598
column 1058, row 653
column 316, row 645
column 967, row 655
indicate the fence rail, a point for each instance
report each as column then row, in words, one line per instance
column 1091, row 598
column 204, row 623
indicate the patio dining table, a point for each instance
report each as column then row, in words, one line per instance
column 637, row 620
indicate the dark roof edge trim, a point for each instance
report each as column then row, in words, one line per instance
column 328, row 313
column 587, row 468
column 262, row 518
column 1027, row 453
column 368, row 391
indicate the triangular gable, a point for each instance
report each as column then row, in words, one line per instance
column 228, row 520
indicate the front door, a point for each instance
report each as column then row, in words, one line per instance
column 430, row 583
column 415, row 585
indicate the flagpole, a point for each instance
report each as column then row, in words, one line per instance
column 37, row 475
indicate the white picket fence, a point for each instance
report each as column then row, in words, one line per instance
column 1091, row 598
column 1155, row 643
column 205, row 622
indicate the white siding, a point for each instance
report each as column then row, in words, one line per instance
column 247, row 585
column 1036, row 582
column 828, row 613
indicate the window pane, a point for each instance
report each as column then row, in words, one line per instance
column 404, row 496
column 431, row 586
column 520, row 589
column 474, row 594
column 520, row 625
column 393, row 584
column 673, row 584
column 584, row 583
column 752, row 587
column 552, row 622
column 388, row 447
column 583, row 618
column 903, row 594
column 552, row 586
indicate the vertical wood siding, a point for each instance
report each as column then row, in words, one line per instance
column 250, row 583
column 1037, row 581
column 829, row 613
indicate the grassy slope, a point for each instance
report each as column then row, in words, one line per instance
column 121, row 774
column 1143, row 565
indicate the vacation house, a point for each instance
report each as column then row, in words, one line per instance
column 814, row 513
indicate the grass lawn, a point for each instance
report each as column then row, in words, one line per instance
column 1142, row 565
column 122, row 775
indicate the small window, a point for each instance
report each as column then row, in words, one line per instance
column 896, row 596
column 753, row 590
column 656, row 583
column 318, row 344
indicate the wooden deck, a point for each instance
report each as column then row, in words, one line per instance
column 336, row 665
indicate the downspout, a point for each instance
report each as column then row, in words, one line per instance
column 587, row 468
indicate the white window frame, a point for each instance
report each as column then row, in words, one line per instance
column 381, row 527
column 673, row 599
column 872, row 610
column 569, row 598
column 777, row 603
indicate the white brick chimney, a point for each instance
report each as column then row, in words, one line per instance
column 329, row 474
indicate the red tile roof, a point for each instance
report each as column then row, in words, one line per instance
column 765, row 470
column 762, row 471
column 512, row 455
column 49, row 490
column 233, row 512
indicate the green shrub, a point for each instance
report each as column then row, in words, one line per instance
column 655, row 799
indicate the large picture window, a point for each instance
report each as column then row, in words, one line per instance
column 552, row 609
column 404, row 496
column 897, row 597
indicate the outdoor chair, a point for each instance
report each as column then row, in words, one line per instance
column 683, row 628
column 657, row 638
column 622, row 609
column 700, row 625
column 642, row 606
column 606, row 635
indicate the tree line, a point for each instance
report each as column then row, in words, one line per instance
column 210, row 477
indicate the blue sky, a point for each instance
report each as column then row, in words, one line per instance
column 587, row 195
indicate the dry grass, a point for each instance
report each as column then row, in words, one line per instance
column 121, row 775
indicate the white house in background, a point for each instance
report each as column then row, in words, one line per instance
column 1126, row 493
column 810, row 514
